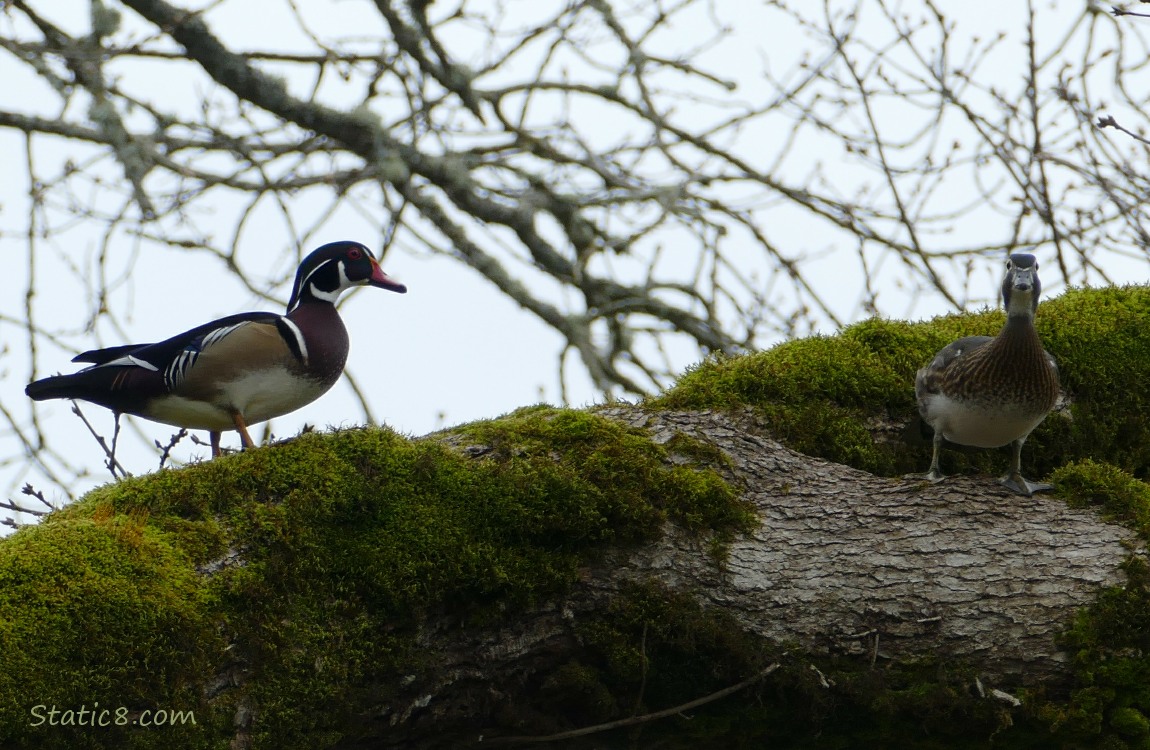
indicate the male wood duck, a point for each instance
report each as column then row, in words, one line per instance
column 238, row 370
column 988, row 392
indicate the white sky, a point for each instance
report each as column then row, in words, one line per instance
column 451, row 350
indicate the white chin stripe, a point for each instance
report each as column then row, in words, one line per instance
column 333, row 295
column 325, row 296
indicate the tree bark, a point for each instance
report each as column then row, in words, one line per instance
column 843, row 563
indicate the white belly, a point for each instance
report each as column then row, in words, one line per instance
column 982, row 427
column 258, row 396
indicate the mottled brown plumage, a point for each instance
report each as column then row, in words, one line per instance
column 987, row 392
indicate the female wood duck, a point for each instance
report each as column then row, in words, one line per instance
column 238, row 370
column 988, row 392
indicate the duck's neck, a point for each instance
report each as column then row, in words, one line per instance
column 1020, row 321
column 1020, row 338
column 325, row 336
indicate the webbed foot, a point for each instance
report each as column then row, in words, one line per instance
column 1021, row 485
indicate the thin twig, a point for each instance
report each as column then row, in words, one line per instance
column 112, row 463
column 166, row 450
column 115, row 442
column 645, row 663
column 31, row 491
column 9, row 505
column 1119, row 12
column 632, row 721
column 1108, row 121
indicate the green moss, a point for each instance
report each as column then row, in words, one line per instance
column 1101, row 338
column 621, row 467
column 101, row 610
column 1130, row 723
column 839, row 370
column 820, row 395
column 314, row 563
column 686, row 448
column 1121, row 498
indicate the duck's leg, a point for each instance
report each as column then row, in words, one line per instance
column 113, row 463
column 242, row 428
column 1013, row 479
column 214, row 437
column 933, row 474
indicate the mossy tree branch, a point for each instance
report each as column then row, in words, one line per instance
column 553, row 570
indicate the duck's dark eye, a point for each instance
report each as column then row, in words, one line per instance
column 354, row 254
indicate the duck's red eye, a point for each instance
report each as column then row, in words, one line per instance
column 354, row 254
